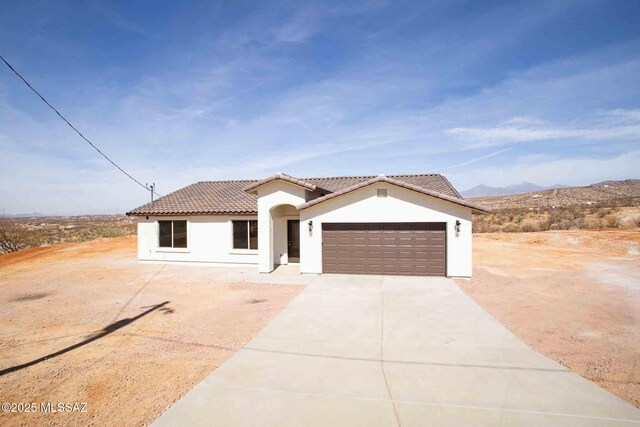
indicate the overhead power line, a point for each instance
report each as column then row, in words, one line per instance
column 76, row 130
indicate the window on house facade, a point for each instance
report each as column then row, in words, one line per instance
column 173, row 234
column 245, row 234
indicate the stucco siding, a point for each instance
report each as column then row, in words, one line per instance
column 271, row 196
column 400, row 205
column 209, row 240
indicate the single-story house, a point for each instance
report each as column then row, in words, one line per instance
column 400, row 224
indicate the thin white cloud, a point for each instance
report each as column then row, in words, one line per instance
column 477, row 159
column 626, row 114
column 303, row 25
column 118, row 19
column 529, row 131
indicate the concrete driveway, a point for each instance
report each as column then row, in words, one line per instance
column 389, row 351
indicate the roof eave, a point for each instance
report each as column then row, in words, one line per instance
column 191, row 213
column 253, row 188
column 382, row 178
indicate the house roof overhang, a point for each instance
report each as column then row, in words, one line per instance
column 382, row 178
column 253, row 188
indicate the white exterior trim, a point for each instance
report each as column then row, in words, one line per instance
column 210, row 237
column 400, row 205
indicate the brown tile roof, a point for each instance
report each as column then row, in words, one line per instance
column 432, row 181
column 253, row 187
column 393, row 181
column 209, row 197
column 230, row 197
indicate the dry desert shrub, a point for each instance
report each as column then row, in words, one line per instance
column 602, row 212
column 611, row 221
column 533, row 219
column 510, row 228
column 480, row 226
column 592, row 223
column 14, row 236
column 529, row 226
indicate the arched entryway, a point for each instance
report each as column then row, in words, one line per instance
column 285, row 220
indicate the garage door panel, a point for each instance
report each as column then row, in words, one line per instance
column 405, row 240
column 390, row 268
column 408, row 270
column 374, row 268
column 406, row 255
column 330, row 241
column 344, row 253
column 359, row 268
column 330, row 255
column 359, row 253
column 330, row 267
column 375, row 250
column 384, row 248
column 374, row 241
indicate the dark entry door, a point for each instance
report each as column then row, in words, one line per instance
column 412, row 248
column 293, row 237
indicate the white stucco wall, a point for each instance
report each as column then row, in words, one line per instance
column 209, row 240
column 270, row 196
column 400, row 205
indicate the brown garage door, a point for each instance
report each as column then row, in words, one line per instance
column 405, row 248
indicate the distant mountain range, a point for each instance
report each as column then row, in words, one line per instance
column 606, row 193
column 524, row 187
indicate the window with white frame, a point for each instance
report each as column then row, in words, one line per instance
column 245, row 234
column 172, row 234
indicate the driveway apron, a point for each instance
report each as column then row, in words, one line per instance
column 392, row 351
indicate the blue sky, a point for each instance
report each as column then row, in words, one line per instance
column 177, row 92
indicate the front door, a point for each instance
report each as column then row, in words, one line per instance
column 293, row 238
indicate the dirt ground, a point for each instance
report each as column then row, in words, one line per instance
column 571, row 295
column 88, row 323
column 130, row 339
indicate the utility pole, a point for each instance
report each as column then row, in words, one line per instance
column 151, row 188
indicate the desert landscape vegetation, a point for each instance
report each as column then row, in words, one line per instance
column 609, row 204
column 23, row 232
column 117, row 333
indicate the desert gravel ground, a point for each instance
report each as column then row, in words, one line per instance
column 571, row 295
column 133, row 337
